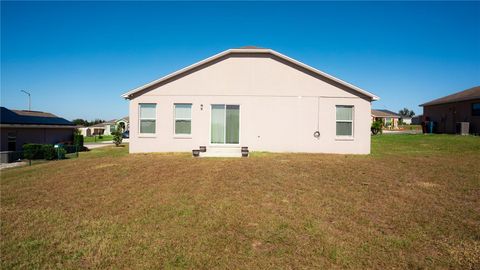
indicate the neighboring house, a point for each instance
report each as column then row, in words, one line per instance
column 250, row 97
column 21, row 127
column 388, row 118
column 447, row 111
column 406, row 120
column 417, row 119
column 105, row 128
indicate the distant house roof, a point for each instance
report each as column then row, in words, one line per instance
column 384, row 113
column 469, row 94
column 21, row 117
column 110, row 122
column 101, row 125
column 126, row 118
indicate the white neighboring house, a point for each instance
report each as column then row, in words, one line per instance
column 388, row 118
column 105, row 128
column 406, row 120
column 250, row 97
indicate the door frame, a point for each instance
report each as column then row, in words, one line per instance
column 225, row 131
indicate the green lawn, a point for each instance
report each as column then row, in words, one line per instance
column 414, row 203
column 92, row 139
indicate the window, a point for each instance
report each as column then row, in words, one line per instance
column 12, row 141
column 388, row 121
column 476, row 109
column 183, row 119
column 147, row 118
column 112, row 128
column 344, row 120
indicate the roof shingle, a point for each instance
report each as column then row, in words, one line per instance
column 469, row 94
column 31, row 118
column 384, row 113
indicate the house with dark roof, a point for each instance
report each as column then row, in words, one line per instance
column 450, row 111
column 388, row 118
column 18, row 127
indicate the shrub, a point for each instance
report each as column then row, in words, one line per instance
column 49, row 152
column 61, row 153
column 32, row 151
column 78, row 140
column 376, row 127
column 117, row 136
column 100, row 136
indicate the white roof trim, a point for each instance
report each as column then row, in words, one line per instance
column 212, row 58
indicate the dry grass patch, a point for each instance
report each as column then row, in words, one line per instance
column 108, row 209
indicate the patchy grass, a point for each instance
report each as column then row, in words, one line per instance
column 413, row 203
column 92, row 139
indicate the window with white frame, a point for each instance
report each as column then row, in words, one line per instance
column 183, row 119
column 344, row 121
column 148, row 118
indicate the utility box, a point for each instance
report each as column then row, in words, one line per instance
column 10, row 156
column 463, row 128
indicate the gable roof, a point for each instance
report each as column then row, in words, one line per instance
column 250, row 50
column 384, row 113
column 31, row 118
column 469, row 94
column 126, row 119
column 103, row 124
column 111, row 122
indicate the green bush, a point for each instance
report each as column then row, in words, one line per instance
column 100, row 136
column 49, row 152
column 33, row 151
column 61, row 153
column 117, row 136
column 376, row 127
column 78, row 140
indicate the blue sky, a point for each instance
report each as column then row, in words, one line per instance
column 77, row 58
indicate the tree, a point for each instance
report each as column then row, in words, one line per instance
column 117, row 135
column 96, row 121
column 80, row 122
column 87, row 123
column 406, row 113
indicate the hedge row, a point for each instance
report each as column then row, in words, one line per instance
column 43, row 151
column 49, row 152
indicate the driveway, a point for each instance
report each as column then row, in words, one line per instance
column 102, row 144
column 414, row 131
column 96, row 145
column 11, row 165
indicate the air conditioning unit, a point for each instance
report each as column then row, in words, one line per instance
column 463, row 128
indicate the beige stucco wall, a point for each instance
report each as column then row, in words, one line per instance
column 280, row 108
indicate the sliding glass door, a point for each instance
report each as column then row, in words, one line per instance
column 225, row 124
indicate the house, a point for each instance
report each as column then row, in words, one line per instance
column 447, row 111
column 417, row 119
column 19, row 127
column 105, row 128
column 97, row 129
column 406, row 120
column 388, row 118
column 250, row 97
